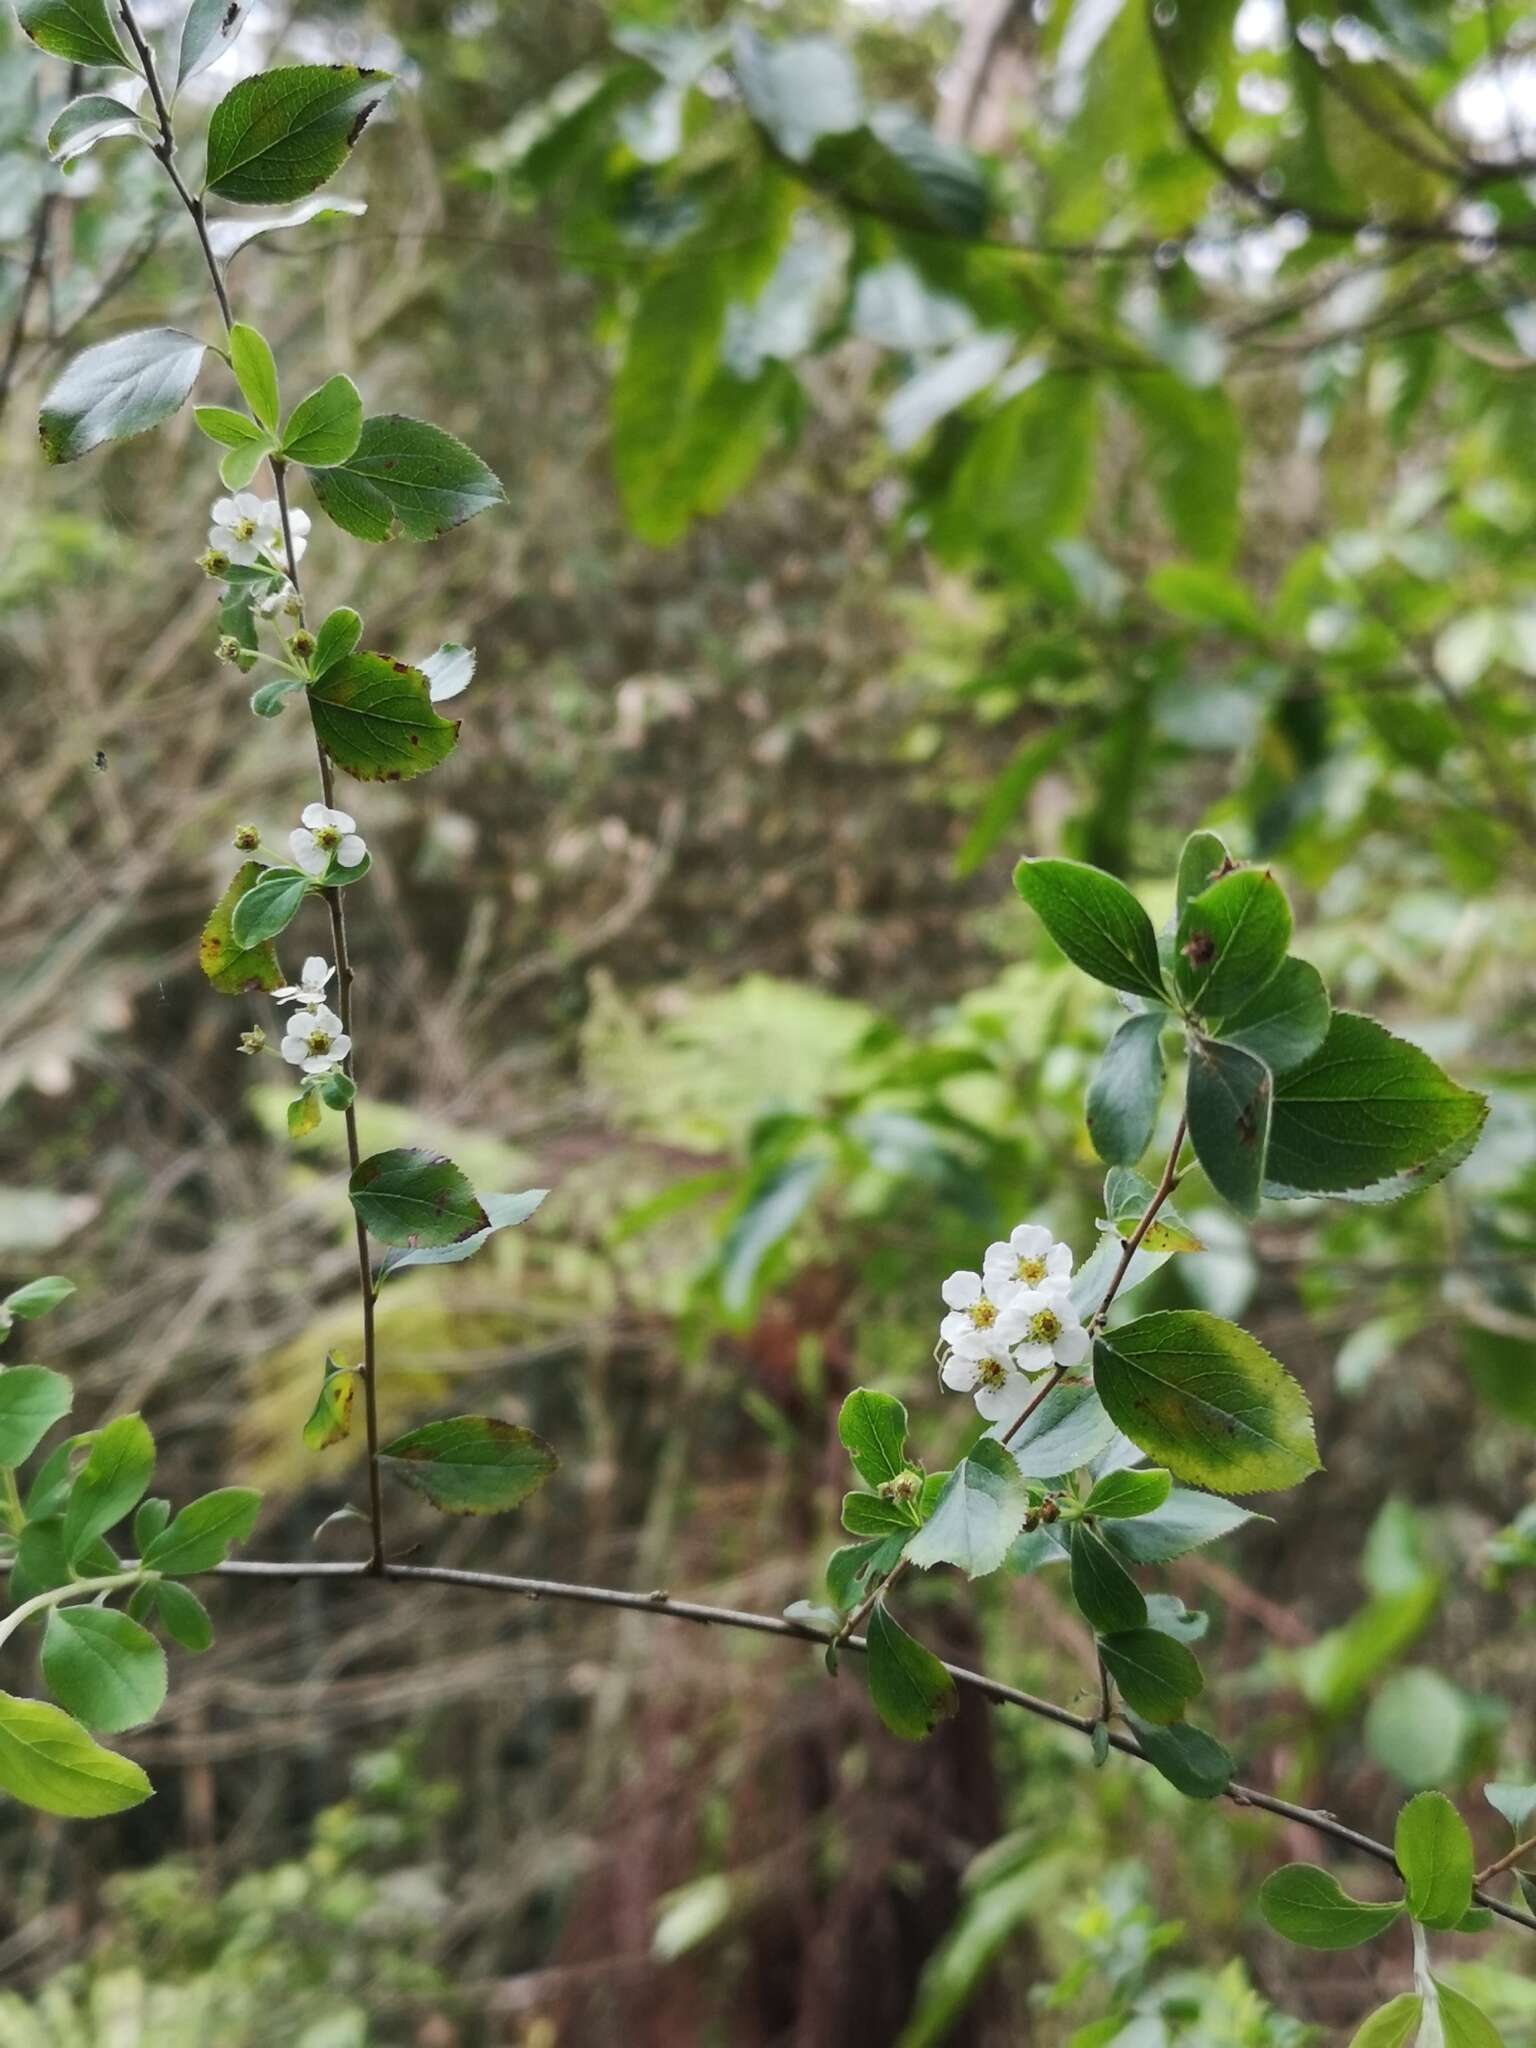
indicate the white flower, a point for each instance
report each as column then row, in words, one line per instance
column 1026, row 1258
column 309, row 990
column 987, row 1371
column 245, row 527
column 322, row 834
column 315, row 1041
column 972, row 1308
column 284, row 599
column 1041, row 1328
column 298, row 526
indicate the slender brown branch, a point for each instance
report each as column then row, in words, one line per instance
column 1508, row 1861
column 165, row 150
column 662, row 1603
column 1160, row 1194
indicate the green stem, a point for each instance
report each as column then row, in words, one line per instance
column 75, row 1590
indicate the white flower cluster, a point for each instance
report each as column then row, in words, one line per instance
column 313, row 1038
column 1011, row 1320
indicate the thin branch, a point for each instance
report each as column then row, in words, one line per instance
column 662, row 1603
column 1500, row 1864
column 165, row 150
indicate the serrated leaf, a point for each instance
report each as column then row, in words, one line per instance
column 1119, row 1496
column 93, row 118
column 118, row 389
column 330, row 1419
column 867, row 1514
column 1107, row 1596
column 280, row 134
column 503, row 1212
column 323, row 429
column 1434, row 1853
column 49, row 1762
column 202, row 1535
column 1308, row 1906
column 32, row 1399
column 1193, row 1762
column 872, row 1429
column 1203, row 860
column 405, row 479
column 1127, row 1196
column 338, row 636
column 110, row 1483
column 79, row 31
column 374, row 717
column 236, row 970
column 1185, row 1522
column 1069, row 1428
column 1286, row 1022
column 1096, row 922
column 471, row 1464
column 250, row 357
column 229, row 237
column 1207, row 1400
column 36, row 1298
column 1229, row 1104
column 1231, row 939
column 1156, row 1675
column 103, row 1667
column 977, row 1515
column 1369, row 1117
column 1127, row 1090
column 911, row 1690
column 210, row 29
column 268, row 907
column 1393, row 2025
column 413, row 1198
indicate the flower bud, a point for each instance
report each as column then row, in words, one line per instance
column 906, row 1486
column 252, row 1042
column 226, row 648
column 1049, row 1511
column 247, row 838
column 302, row 645
column 213, row 562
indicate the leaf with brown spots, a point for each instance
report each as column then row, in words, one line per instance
column 1228, row 1105
column 405, row 480
column 373, row 715
column 471, row 1464
column 237, row 970
column 411, row 1197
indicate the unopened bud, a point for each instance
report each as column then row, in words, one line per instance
column 226, row 648
column 252, row 1042
column 247, row 838
column 906, row 1485
column 1031, row 1521
column 1049, row 1511
column 213, row 563
column 302, row 645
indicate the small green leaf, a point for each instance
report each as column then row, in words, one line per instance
column 49, row 1762
column 150, row 1518
column 337, row 637
column 111, row 1482
column 1108, row 1598
column 1307, row 1906
column 1127, row 1197
column 118, row 389
column 338, row 1091
column 471, row 1464
column 37, row 1298
column 1206, row 1400
column 79, row 31
column 1096, row 921
column 228, row 428
column 1203, row 860
column 268, row 907
column 1155, row 1674
column 872, row 1429
column 41, row 1563
column 405, row 480
column 1229, row 1104
column 103, row 1667
column 324, row 428
column 32, row 1400
column 304, row 1115
column 977, row 1515
column 330, row 1419
column 1369, row 1116
column 374, row 717
column 1434, row 1853
column 282, row 134
column 1127, row 1089
column 208, row 31
column 503, row 1212
column 201, row 1536
column 268, row 701
column 1286, row 1021
column 911, row 1690
column 1193, row 1762
column 183, row 1616
column 94, row 117
column 1185, row 1522
column 410, row 1197
column 1120, row 1495
column 850, row 1569
column 1393, row 2025
column 867, row 1514
column 1231, row 939
column 250, row 357
column 1464, row 2024
column 236, row 970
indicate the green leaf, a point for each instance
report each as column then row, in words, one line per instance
column 1023, row 481
column 1369, row 1116
column 41, row 1563
column 337, row 637
column 471, row 1464
column 977, row 1515
column 1434, row 1854
column 283, row 133
column 1068, row 1429
column 304, row 1114
column 183, row 1616
column 250, row 357
column 1515, row 1802
column 410, row 1197
column 872, row 1429
column 449, row 671
column 911, row 1690
column 201, row 1536
column 849, row 1569
column 230, row 429
column 374, row 717
column 1108, row 1598
column 1185, row 1522
column 111, row 1482
column 1096, row 921
column 1229, row 1105
column 268, row 907
column 1126, row 1091
column 103, row 1668
column 1465, row 2025
column 237, row 469
column 1286, row 1021
column 773, row 1205
column 1193, row 1762
column 209, row 30
column 1193, row 449
column 503, row 1211
column 1231, row 939
column 1203, row 860
column 1393, row 2025
column 338, row 1091
column 330, row 1419
column 92, row 118
column 407, row 480
column 1207, row 1400
column 1307, row 1906
column 1119, row 1496
column 325, row 428
column 79, row 31
column 37, row 1298
column 118, row 389
column 869, row 1514
column 32, row 1400
column 1155, row 1674
column 235, row 970
column 49, row 1762
column 150, row 1518
column 799, row 89
column 1127, row 1196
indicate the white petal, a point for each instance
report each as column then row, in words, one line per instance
column 341, row 821
column 341, row 1045
column 350, row 851
column 295, row 1049
column 1058, row 1262
column 315, row 816
column 997, row 1267
column 306, row 853
column 242, row 551
column 1001, row 1404
column 266, row 510
column 326, row 1020
column 299, row 545
column 299, row 522
column 1072, row 1346
column 1030, row 1240
column 960, row 1290
column 956, row 1330
column 317, row 971
column 319, row 1063
column 225, row 511
column 959, row 1373
column 1033, row 1357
